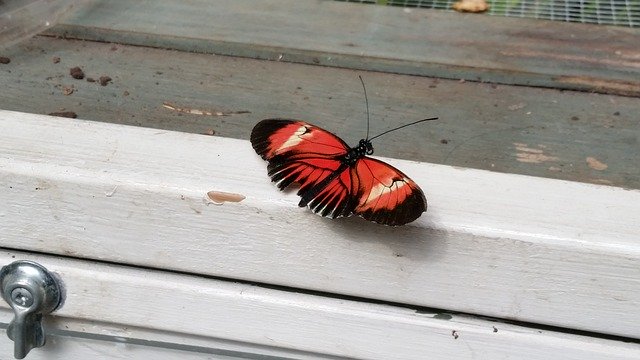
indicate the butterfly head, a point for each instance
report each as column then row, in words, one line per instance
column 364, row 148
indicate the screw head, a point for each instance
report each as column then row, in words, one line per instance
column 22, row 297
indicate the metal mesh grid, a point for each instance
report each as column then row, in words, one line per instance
column 607, row 12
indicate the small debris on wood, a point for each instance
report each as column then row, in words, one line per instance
column 617, row 113
column 67, row 90
column 209, row 132
column 472, row 6
column 495, row 329
column 90, row 79
column 125, row 93
column 67, row 114
column 104, row 80
column 113, row 48
column 575, row 118
column 444, row 141
column 173, row 107
column 55, row 59
column 220, row 197
column 454, row 334
column 4, row 60
column 76, row 73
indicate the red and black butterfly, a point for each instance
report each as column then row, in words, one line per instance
column 336, row 180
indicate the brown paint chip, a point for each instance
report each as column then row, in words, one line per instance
column 220, row 197
column 4, row 60
column 595, row 164
column 76, row 73
column 56, row 59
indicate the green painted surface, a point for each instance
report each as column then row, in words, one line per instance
column 390, row 39
column 516, row 129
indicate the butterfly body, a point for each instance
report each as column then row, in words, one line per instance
column 335, row 179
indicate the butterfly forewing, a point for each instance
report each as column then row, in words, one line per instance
column 285, row 138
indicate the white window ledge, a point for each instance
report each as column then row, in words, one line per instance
column 508, row 246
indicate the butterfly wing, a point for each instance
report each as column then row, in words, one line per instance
column 302, row 153
column 384, row 194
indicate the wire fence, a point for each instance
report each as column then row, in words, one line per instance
column 606, row 12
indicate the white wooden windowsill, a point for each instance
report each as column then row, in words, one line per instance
column 514, row 247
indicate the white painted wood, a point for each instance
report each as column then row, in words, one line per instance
column 509, row 246
column 132, row 305
column 77, row 348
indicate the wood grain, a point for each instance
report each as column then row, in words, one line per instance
column 389, row 39
column 509, row 246
column 216, row 318
column 539, row 132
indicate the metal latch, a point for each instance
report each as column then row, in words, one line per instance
column 31, row 291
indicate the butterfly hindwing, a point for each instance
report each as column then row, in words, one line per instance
column 384, row 194
column 331, row 197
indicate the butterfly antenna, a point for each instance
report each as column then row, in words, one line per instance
column 366, row 101
column 405, row 125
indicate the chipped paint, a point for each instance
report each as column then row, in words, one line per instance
column 517, row 106
column 602, row 181
column 596, row 164
column 531, row 155
column 220, row 197
column 111, row 192
column 170, row 106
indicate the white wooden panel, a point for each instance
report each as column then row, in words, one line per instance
column 77, row 348
column 134, row 305
column 508, row 246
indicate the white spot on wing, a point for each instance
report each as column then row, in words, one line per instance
column 380, row 189
column 294, row 139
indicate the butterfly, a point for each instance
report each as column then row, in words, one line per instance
column 336, row 180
